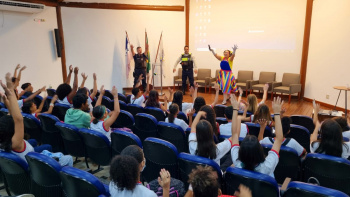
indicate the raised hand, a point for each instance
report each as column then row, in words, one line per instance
column 76, row 70
column 262, row 123
column 202, row 114
column 70, row 68
column 114, row 91
column 18, row 66
column 277, row 104
column 171, row 91
column 23, row 68
column 196, row 85
column 216, row 86
column 9, row 83
column 266, row 87
column 131, row 46
column 191, row 89
column 164, row 179
column 243, row 191
column 84, row 76
column 102, row 90
column 240, row 91
column 165, row 99
column 234, row 101
column 6, row 89
column 43, row 89
column 94, row 76
column 191, row 113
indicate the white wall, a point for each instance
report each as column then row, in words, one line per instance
column 328, row 63
column 95, row 41
column 27, row 42
column 269, row 33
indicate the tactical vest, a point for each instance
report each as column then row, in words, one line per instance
column 139, row 61
column 186, row 61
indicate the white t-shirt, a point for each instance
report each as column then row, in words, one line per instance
column 225, row 129
column 179, row 122
column 266, row 167
column 346, row 134
column 221, row 149
column 346, row 150
column 139, row 101
column 100, row 127
column 89, row 102
column 139, row 190
column 27, row 149
column 291, row 144
column 20, row 103
column 65, row 101
column 186, row 107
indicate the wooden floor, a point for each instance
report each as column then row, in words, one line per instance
column 296, row 107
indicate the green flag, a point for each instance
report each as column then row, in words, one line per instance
column 148, row 56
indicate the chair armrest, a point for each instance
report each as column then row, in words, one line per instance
column 253, row 82
column 176, row 77
column 295, row 88
column 276, row 84
column 270, row 85
column 195, row 78
column 207, row 80
column 213, row 79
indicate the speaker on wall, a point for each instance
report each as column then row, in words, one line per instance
column 58, row 43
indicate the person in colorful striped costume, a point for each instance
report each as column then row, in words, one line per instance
column 226, row 79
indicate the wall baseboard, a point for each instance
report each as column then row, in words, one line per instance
column 326, row 105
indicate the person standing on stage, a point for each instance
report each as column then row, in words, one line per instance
column 188, row 63
column 226, row 79
column 140, row 64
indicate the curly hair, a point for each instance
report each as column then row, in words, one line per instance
column 204, row 182
column 198, row 103
column 7, row 130
column 63, row 90
column 124, row 172
column 211, row 117
column 153, row 99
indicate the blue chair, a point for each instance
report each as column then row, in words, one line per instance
column 182, row 116
column 304, row 121
column 122, row 97
column 3, row 112
column 121, row 139
column 59, row 110
column 173, row 134
column 109, row 94
column 47, row 104
column 345, row 139
column 330, row 171
column 16, row 173
column 156, row 112
column 259, row 184
column 135, row 109
column 221, row 120
column 2, row 105
column 301, row 135
column 51, row 92
column 254, row 129
column 122, row 105
column 128, row 99
column 72, row 141
column 188, row 162
column 77, row 183
column 145, row 126
column 108, row 103
column 51, row 134
column 248, row 113
column 125, row 119
column 289, row 164
column 220, row 110
column 159, row 154
column 37, row 100
column 309, row 190
column 97, row 146
column 32, row 126
column 45, row 175
column 223, row 137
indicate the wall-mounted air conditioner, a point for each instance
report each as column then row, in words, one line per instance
column 17, row 6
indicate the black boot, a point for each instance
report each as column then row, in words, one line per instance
column 183, row 91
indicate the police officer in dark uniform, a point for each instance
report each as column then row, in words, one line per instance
column 189, row 65
column 140, row 65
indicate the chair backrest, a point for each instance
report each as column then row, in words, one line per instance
column 51, row 92
column 244, row 75
column 59, row 110
column 125, row 119
column 304, row 121
column 109, row 94
column 145, row 126
column 122, row 97
column 203, row 73
column 37, row 100
column 122, row 105
column 77, row 182
column 173, row 134
column 15, row 171
column 220, row 110
column 182, row 116
column 179, row 72
column 107, row 102
column 265, row 77
column 257, row 182
column 159, row 154
column 2, row 105
column 32, row 126
column 288, row 165
column 290, row 78
column 128, row 99
column 301, row 135
column 221, row 120
column 248, row 113
column 3, row 112
column 188, row 162
column 156, row 112
column 135, row 109
column 121, row 139
column 45, row 175
column 72, row 141
column 97, row 146
column 332, row 172
column 217, row 71
column 296, row 188
column 254, row 129
column 51, row 134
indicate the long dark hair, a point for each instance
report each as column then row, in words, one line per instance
column 98, row 113
column 178, row 97
column 205, row 140
column 173, row 109
column 26, row 107
column 251, row 152
column 198, row 103
column 124, row 172
column 211, row 117
column 342, row 122
column 153, row 99
column 7, row 130
column 263, row 112
column 331, row 142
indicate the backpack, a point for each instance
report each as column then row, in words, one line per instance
column 177, row 188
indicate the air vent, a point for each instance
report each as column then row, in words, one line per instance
column 16, row 6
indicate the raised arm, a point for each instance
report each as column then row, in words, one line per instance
column 132, row 50
column 116, row 111
column 171, row 94
column 164, row 181
column 235, row 120
column 16, row 69
column 196, row 120
column 240, row 94
column 262, row 123
column 94, row 90
column 82, row 85
column 32, row 96
column 266, row 88
column 276, row 106
column 52, row 104
column 233, row 52
column 19, row 76
column 244, row 117
column 40, row 108
column 69, row 75
column 215, row 55
column 75, row 85
column 17, row 138
column 102, row 93
column 216, row 94
column 313, row 136
column 164, row 107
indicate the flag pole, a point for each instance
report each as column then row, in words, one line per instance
column 155, row 61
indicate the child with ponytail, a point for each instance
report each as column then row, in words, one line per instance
column 173, row 111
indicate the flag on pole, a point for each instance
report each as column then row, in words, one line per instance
column 161, row 52
column 128, row 57
column 148, row 55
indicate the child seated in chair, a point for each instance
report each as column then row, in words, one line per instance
column 172, row 117
column 137, row 97
column 64, row 91
column 225, row 129
column 31, row 108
